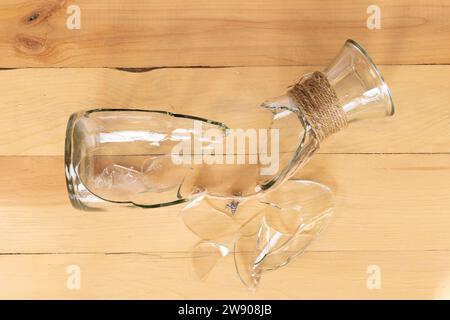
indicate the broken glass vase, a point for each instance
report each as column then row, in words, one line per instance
column 152, row 158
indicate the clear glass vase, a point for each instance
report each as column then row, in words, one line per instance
column 150, row 158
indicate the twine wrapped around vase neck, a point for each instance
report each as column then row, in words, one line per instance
column 318, row 102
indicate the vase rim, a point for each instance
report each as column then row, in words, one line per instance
column 356, row 46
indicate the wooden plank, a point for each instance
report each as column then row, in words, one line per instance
column 318, row 275
column 36, row 104
column 135, row 33
column 384, row 202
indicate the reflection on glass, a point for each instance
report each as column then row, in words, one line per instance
column 278, row 227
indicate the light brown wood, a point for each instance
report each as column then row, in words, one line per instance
column 36, row 104
column 384, row 202
column 316, row 275
column 135, row 33
column 391, row 176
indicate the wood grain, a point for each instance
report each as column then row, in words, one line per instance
column 391, row 176
column 36, row 104
column 384, row 202
column 135, row 33
column 316, row 275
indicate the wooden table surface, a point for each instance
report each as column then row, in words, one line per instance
column 391, row 176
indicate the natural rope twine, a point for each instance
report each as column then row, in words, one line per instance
column 318, row 102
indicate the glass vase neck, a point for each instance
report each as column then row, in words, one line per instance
column 359, row 85
column 361, row 90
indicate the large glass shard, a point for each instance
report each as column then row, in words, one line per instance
column 207, row 222
column 127, row 156
column 295, row 214
column 265, row 233
column 205, row 255
column 152, row 158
